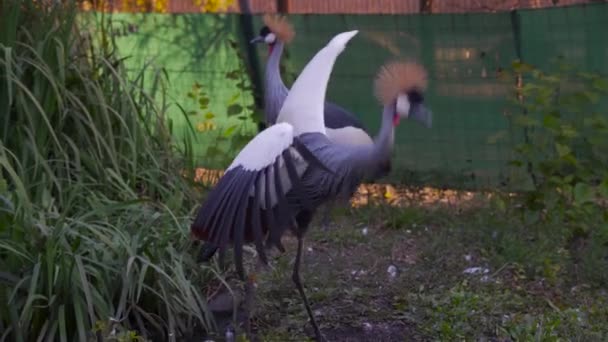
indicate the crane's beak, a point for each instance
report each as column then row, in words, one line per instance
column 422, row 114
column 258, row 39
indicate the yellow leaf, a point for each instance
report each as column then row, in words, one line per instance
column 389, row 193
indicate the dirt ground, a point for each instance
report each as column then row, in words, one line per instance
column 451, row 270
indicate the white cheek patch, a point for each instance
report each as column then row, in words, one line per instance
column 403, row 106
column 270, row 38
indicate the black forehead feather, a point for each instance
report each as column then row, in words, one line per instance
column 264, row 31
column 415, row 96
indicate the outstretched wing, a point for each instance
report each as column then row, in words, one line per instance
column 249, row 202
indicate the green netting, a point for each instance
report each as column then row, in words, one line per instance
column 192, row 48
column 462, row 53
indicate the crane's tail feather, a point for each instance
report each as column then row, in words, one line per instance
column 207, row 252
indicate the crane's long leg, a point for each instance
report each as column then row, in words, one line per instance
column 247, row 304
column 249, row 288
column 296, row 279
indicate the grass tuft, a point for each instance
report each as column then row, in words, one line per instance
column 94, row 211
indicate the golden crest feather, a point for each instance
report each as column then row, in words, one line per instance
column 399, row 77
column 280, row 27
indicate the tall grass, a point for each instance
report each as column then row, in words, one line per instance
column 93, row 208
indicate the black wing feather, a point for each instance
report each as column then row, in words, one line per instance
column 236, row 205
column 211, row 210
column 221, row 213
column 282, row 209
column 296, row 182
column 310, row 157
column 239, row 224
column 256, row 224
column 270, row 212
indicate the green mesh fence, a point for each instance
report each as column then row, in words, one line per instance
column 462, row 52
column 191, row 49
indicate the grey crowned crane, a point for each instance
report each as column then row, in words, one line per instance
column 341, row 125
column 287, row 171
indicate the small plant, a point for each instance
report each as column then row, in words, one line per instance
column 226, row 140
column 94, row 212
column 561, row 129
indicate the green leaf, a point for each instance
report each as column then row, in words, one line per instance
column 551, row 79
column 522, row 67
column 569, row 158
column 550, row 121
column 526, row 121
column 230, row 130
column 600, row 84
column 234, row 109
column 593, row 97
column 209, row 116
column 603, row 188
column 494, row 138
column 569, row 131
column 232, row 43
column 213, row 151
column 596, row 121
column 562, row 150
column 586, row 75
column 583, row 193
column 234, row 98
column 232, row 75
column 516, row 163
column 579, row 99
column 203, row 102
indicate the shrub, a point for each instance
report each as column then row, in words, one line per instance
column 94, row 210
column 561, row 123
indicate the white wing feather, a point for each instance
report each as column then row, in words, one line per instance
column 264, row 148
column 303, row 107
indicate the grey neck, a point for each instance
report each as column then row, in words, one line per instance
column 380, row 151
column 275, row 90
column 384, row 141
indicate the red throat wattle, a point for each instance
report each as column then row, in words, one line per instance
column 396, row 119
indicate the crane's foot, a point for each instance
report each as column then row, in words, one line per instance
column 319, row 337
